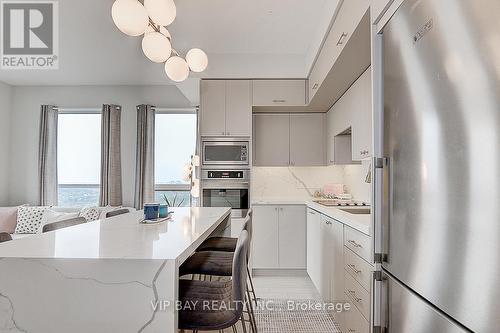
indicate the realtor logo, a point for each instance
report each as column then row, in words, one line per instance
column 29, row 34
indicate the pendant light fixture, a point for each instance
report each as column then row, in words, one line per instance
column 134, row 18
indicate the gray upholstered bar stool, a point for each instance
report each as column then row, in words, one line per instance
column 229, row 296
column 63, row 224
column 219, row 263
column 117, row 212
column 228, row 244
column 5, row 236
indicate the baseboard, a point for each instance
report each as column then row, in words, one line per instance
column 278, row 272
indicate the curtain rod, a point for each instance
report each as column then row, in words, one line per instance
column 98, row 109
column 161, row 109
column 78, row 110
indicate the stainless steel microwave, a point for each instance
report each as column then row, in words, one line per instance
column 225, row 152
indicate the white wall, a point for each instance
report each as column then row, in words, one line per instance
column 24, row 124
column 5, row 111
column 354, row 179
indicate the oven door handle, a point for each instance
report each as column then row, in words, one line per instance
column 223, row 185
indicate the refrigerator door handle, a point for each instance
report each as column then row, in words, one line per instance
column 380, row 303
column 381, row 208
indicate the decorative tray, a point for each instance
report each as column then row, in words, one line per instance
column 157, row 221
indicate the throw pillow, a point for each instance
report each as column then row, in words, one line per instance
column 50, row 216
column 29, row 219
column 8, row 219
column 90, row 213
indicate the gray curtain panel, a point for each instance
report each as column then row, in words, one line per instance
column 111, row 165
column 145, row 163
column 47, row 156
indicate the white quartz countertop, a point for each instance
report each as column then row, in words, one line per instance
column 360, row 222
column 123, row 237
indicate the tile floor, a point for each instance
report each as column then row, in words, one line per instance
column 285, row 287
column 281, row 287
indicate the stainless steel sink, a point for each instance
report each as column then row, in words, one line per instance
column 356, row 211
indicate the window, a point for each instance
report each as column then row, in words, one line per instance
column 78, row 159
column 175, row 142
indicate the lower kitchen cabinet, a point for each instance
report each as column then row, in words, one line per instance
column 325, row 259
column 292, row 237
column 314, row 258
column 279, row 237
column 335, row 232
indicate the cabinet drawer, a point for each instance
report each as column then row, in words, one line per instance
column 354, row 322
column 279, row 92
column 358, row 295
column 358, row 268
column 359, row 243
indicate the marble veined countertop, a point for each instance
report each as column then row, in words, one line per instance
column 123, row 237
column 360, row 222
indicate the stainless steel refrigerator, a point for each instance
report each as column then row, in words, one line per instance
column 440, row 172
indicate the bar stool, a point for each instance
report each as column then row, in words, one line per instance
column 228, row 244
column 219, row 263
column 5, row 237
column 228, row 295
column 63, row 224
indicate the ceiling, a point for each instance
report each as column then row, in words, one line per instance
column 243, row 39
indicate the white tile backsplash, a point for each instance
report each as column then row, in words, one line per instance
column 354, row 179
column 300, row 183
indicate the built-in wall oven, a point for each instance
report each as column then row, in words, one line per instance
column 223, row 151
column 226, row 188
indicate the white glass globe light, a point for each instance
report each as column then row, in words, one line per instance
column 177, row 69
column 163, row 31
column 156, row 47
column 162, row 12
column 197, row 60
column 130, row 17
column 195, row 188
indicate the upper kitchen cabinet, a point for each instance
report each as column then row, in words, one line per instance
column 344, row 56
column 276, row 93
column 271, row 139
column 238, row 108
column 349, row 124
column 307, row 139
column 226, row 108
column 213, row 107
column 378, row 8
column 362, row 117
column 283, row 139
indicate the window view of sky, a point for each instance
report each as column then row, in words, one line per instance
column 79, row 148
column 175, row 142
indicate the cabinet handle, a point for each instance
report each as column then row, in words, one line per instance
column 328, row 222
column 315, row 86
column 279, row 100
column 354, row 243
column 223, row 133
column 341, row 39
column 353, row 293
column 350, row 330
column 353, row 267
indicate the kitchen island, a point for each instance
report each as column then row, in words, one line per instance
column 113, row 275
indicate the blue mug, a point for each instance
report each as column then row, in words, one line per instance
column 163, row 211
column 151, row 211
